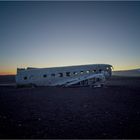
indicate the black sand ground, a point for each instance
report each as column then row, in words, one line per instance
column 49, row 112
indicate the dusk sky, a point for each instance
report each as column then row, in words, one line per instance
column 50, row 34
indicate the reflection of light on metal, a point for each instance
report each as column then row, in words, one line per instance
column 87, row 71
column 112, row 67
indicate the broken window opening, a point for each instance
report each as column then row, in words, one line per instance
column 75, row 73
column 44, row 75
column 68, row 74
column 60, row 74
column 25, row 78
column 81, row 72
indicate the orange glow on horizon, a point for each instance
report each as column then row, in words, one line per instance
column 116, row 68
column 8, row 72
column 121, row 68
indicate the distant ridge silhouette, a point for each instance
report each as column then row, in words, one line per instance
column 133, row 72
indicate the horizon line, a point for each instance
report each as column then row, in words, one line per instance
column 14, row 73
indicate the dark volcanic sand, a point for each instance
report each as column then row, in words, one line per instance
column 49, row 112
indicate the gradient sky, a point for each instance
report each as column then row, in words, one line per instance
column 48, row 34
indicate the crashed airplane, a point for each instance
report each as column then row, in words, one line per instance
column 93, row 75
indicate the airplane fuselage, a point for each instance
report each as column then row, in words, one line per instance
column 63, row 76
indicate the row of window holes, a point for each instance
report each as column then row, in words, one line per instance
column 67, row 74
